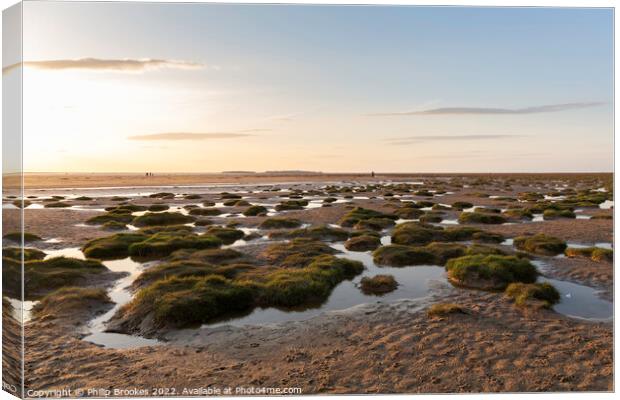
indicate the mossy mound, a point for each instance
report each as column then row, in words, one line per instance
column 162, row 195
column 296, row 253
column 204, row 222
column 226, row 235
column 57, row 204
column 163, row 218
column 429, row 217
column 178, row 302
column 114, row 226
column 518, row 214
column 443, row 252
column 375, row 224
column 409, row 213
column 490, row 272
column 417, row 233
column 330, row 200
column 164, row 243
column 210, row 256
column 72, row 302
column 540, row 244
column 321, row 232
column 483, row 249
column 16, row 253
column 378, row 284
column 280, row 223
column 17, row 237
column 444, row 309
column 189, row 268
column 205, row 212
column 158, row 207
column 238, row 203
column 542, row 295
column 595, row 253
column 362, row 243
column 43, row 276
column 481, row 218
column 192, row 197
column 555, row 214
column 461, row 205
column 400, row 256
column 229, row 196
column 358, row 214
column 291, row 205
column 120, row 216
column 253, row 211
column 112, row 247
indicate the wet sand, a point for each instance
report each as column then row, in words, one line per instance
column 374, row 348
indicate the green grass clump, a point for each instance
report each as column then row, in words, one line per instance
column 296, row 253
column 540, row 244
column 17, row 237
column 70, row 302
column 293, row 287
column 112, row 247
column 409, row 213
column 163, row 218
column 595, row 253
column 518, row 214
column 114, row 226
column 429, row 217
column 291, row 205
column 229, row 196
column 164, row 243
column 43, row 276
column 555, row 214
column 442, row 252
column 533, row 294
column 602, row 216
column 226, row 235
column 378, row 284
column 461, row 205
column 330, row 200
column 253, row 211
column 487, row 237
column 280, row 223
column 362, row 243
column 204, row 222
column 205, row 212
column 185, row 301
column 399, row 256
column 158, row 207
column 162, row 195
column 358, row 214
column 236, row 203
column 57, row 204
column 321, row 232
column 416, row 233
column 482, row 249
column 119, row 216
column 187, row 268
column 480, row 218
column 84, row 198
column 445, row 309
column 210, row 256
column 375, row 224
column 16, row 253
column 490, row 272
column 192, row 197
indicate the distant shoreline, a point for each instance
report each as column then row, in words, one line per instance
column 83, row 180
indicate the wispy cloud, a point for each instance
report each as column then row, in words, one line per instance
column 190, row 136
column 491, row 110
column 99, row 64
column 444, row 138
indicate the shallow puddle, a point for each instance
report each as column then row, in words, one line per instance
column 414, row 283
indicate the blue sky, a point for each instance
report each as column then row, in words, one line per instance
column 332, row 88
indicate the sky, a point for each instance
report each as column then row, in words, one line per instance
column 133, row 87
